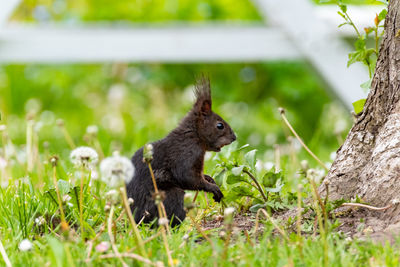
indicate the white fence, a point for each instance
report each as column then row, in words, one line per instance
column 295, row 29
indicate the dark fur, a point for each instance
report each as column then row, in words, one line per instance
column 178, row 160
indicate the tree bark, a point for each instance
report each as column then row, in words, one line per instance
column 368, row 163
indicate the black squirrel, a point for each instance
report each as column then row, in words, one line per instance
column 178, row 160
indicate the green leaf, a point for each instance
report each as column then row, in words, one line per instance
column 343, row 8
column 382, row 15
column 219, row 178
column 233, row 179
column 256, row 207
column 242, row 191
column 277, row 188
column 366, row 85
column 342, row 15
column 243, row 147
column 360, row 44
column 270, row 178
column 354, row 57
column 359, row 105
column 63, row 187
column 237, row 170
column 251, row 157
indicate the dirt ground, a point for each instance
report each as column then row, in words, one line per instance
column 356, row 223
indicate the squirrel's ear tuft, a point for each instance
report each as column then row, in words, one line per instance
column 203, row 96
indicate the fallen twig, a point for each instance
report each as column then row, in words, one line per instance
column 394, row 202
column 128, row 255
column 4, row 255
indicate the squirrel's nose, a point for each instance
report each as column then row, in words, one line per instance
column 233, row 137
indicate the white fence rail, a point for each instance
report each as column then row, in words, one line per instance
column 295, row 29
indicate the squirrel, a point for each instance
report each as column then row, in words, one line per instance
column 178, row 161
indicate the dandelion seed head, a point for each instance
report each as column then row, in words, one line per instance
column 112, row 196
column 92, row 129
column 229, row 211
column 25, row 245
column 163, row 221
column 148, row 153
column 116, row 170
column 304, row 165
column 316, row 174
column 84, row 156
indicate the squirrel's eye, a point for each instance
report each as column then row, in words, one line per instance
column 220, row 126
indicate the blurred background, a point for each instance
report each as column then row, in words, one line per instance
column 128, row 67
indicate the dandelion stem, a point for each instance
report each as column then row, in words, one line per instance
column 64, row 224
column 111, row 236
column 195, row 196
column 282, row 112
column 322, row 227
column 162, row 215
column 29, row 145
column 4, row 255
column 258, row 186
column 68, row 138
column 136, row 232
column 298, row 222
column 81, row 202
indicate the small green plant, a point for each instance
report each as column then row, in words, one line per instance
column 364, row 53
column 236, row 172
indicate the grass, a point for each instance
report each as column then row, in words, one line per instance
column 154, row 98
column 30, row 210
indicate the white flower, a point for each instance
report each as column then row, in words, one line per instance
column 260, row 165
column 304, row 165
column 188, row 195
column 229, row 211
column 92, row 129
column 163, row 221
column 84, row 157
column 3, row 127
column 268, row 165
column 116, row 169
column 103, row 246
column 25, row 245
column 40, row 221
column 315, row 174
column 3, row 163
column 340, row 126
column 66, row 198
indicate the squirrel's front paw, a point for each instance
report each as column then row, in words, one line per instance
column 209, row 179
column 218, row 195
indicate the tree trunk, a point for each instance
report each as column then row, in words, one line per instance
column 368, row 163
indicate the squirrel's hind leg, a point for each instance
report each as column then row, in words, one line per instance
column 174, row 205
